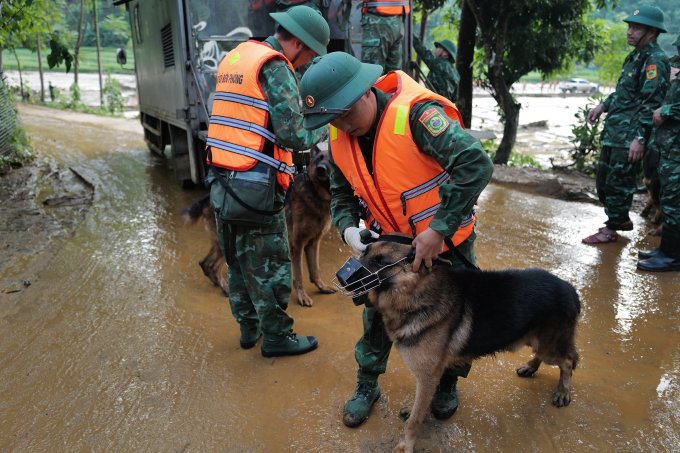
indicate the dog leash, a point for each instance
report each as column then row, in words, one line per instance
column 449, row 243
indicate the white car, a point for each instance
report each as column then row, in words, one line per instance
column 578, row 86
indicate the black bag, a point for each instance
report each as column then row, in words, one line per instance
column 245, row 197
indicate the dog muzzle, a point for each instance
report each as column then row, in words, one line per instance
column 354, row 279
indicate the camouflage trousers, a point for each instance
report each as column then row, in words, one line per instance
column 259, row 273
column 373, row 348
column 616, row 183
column 669, row 177
column 382, row 41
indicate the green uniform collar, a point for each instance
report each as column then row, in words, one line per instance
column 274, row 44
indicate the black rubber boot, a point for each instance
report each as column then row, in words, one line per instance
column 668, row 258
column 646, row 255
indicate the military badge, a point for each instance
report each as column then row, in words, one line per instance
column 636, row 12
column 650, row 72
column 434, row 121
column 309, row 101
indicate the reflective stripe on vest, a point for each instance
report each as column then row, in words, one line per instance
column 388, row 7
column 240, row 114
column 402, row 195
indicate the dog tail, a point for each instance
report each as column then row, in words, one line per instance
column 192, row 213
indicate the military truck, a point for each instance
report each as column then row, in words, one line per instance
column 178, row 45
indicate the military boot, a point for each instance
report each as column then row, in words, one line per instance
column 643, row 255
column 359, row 405
column 668, row 258
column 249, row 335
column 288, row 344
column 445, row 400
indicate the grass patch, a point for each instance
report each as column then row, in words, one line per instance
column 88, row 60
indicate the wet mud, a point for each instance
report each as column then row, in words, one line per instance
column 121, row 344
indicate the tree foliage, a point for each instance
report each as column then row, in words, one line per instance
column 520, row 36
column 21, row 21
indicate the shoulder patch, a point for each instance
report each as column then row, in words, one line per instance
column 434, row 121
column 650, row 71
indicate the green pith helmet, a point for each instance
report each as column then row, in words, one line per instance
column 332, row 84
column 650, row 16
column 676, row 42
column 447, row 46
column 307, row 25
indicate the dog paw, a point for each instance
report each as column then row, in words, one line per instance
column 327, row 290
column 561, row 398
column 526, row 371
column 305, row 301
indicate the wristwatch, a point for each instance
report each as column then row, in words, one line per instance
column 641, row 140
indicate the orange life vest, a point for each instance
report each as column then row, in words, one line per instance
column 388, row 7
column 240, row 113
column 402, row 195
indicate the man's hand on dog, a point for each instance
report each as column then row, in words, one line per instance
column 352, row 237
column 429, row 244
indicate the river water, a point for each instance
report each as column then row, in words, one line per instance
column 121, row 343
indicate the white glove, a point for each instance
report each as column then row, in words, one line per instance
column 352, row 236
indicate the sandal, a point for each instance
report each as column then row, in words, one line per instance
column 601, row 237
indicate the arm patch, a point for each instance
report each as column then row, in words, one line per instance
column 434, row 121
column 650, row 72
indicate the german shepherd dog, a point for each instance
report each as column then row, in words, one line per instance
column 443, row 316
column 308, row 218
column 307, row 210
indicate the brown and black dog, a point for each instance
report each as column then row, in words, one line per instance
column 444, row 316
column 650, row 169
column 307, row 212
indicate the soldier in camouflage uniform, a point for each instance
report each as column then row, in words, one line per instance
column 443, row 75
column 258, row 258
column 382, row 30
column 666, row 140
column 356, row 107
column 628, row 125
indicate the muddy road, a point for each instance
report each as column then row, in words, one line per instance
column 121, row 344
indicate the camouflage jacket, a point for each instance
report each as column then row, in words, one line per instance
column 666, row 137
column 461, row 155
column 283, row 96
column 443, row 75
column 641, row 87
column 674, row 61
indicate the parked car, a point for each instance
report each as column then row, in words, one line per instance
column 578, row 86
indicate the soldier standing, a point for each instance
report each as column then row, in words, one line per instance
column 628, row 125
column 382, row 26
column 666, row 141
column 443, row 75
column 402, row 162
column 255, row 122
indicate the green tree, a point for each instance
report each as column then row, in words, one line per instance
column 520, row 36
column 614, row 50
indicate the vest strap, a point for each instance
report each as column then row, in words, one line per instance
column 441, row 178
column 253, row 153
column 394, row 3
column 244, row 125
column 242, row 99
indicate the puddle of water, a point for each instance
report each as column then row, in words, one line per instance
column 122, row 343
